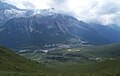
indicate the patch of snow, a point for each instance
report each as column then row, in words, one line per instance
column 22, row 51
column 45, row 51
column 31, row 29
column 69, row 50
column 36, row 51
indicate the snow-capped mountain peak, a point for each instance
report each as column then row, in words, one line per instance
column 44, row 12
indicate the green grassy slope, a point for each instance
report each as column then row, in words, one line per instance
column 111, row 50
column 10, row 61
column 106, row 68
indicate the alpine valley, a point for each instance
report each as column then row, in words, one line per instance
column 48, row 43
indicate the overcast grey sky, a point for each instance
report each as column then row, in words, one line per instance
column 101, row 11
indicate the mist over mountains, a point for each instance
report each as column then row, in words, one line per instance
column 95, row 11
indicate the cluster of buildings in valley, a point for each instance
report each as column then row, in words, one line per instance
column 49, row 47
column 46, row 48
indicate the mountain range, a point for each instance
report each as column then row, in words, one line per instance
column 21, row 28
column 48, row 43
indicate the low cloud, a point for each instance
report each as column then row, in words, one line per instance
column 100, row 11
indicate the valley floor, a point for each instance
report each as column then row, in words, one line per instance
column 64, row 62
